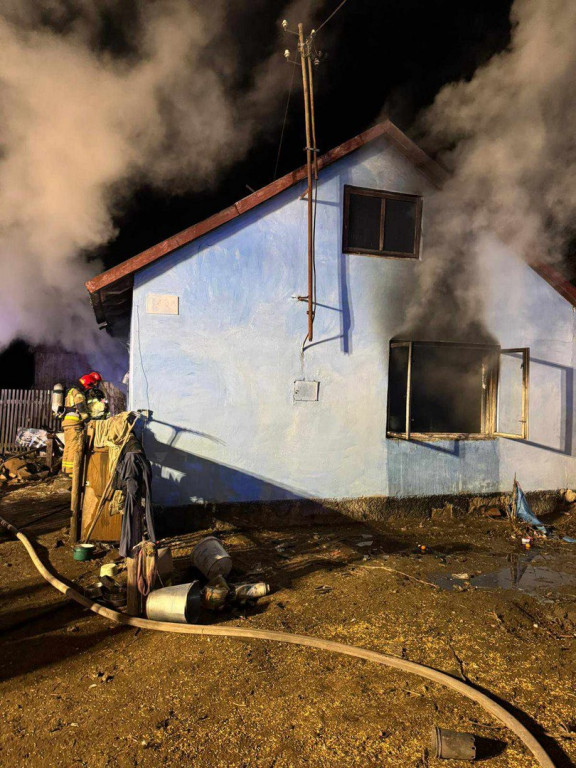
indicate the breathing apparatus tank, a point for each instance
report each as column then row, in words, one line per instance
column 57, row 403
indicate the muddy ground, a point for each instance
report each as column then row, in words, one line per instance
column 78, row 691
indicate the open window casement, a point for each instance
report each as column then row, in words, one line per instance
column 399, row 380
column 512, row 394
column 455, row 391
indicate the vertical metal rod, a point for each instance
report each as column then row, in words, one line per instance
column 312, row 117
column 303, row 56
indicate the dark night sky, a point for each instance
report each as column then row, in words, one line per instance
column 381, row 54
column 396, row 53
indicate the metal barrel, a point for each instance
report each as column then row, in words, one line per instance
column 180, row 604
column 211, row 558
column 452, row 745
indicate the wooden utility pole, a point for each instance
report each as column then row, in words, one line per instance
column 303, row 47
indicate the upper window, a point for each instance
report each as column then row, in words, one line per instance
column 381, row 223
column 455, row 391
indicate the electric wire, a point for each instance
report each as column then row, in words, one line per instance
column 331, row 16
column 284, row 123
column 412, row 667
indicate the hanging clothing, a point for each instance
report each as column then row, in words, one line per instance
column 112, row 434
column 134, row 478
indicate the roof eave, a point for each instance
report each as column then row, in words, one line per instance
column 423, row 163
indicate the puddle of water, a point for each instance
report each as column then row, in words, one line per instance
column 520, row 574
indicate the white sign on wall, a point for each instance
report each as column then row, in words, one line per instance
column 161, row 304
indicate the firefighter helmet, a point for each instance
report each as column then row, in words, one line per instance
column 90, row 380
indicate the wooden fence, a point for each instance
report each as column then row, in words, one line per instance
column 31, row 408
column 23, row 408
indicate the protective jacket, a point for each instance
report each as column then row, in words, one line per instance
column 97, row 404
column 76, row 406
column 84, row 406
column 81, row 406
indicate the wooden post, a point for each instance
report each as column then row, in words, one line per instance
column 50, row 453
column 76, row 493
column 132, row 594
column 408, row 390
column 302, row 45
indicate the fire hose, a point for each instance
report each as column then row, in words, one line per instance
column 435, row 676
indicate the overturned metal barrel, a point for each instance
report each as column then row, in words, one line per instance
column 211, row 558
column 180, row 604
column 452, row 745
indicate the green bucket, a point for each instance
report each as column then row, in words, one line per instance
column 83, row 552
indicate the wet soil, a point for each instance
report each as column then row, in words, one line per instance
column 79, row 691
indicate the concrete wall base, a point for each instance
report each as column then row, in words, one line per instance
column 279, row 514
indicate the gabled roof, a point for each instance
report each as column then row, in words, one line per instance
column 111, row 291
column 558, row 281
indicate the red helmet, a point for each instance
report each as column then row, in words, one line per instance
column 90, row 380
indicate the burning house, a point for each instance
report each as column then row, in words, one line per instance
column 374, row 406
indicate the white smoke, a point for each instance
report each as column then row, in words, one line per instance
column 80, row 127
column 509, row 137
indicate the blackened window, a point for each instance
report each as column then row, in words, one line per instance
column 381, row 223
column 457, row 390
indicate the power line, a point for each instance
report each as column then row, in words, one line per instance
column 331, row 15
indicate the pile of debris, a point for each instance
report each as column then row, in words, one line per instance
column 36, row 458
column 180, row 603
column 23, row 468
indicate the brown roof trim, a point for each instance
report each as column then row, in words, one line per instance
column 435, row 173
column 557, row 281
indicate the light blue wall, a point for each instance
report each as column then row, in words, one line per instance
column 219, row 376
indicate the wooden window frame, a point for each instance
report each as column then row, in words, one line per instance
column 523, row 434
column 383, row 195
column 490, row 385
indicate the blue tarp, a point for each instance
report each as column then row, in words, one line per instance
column 525, row 514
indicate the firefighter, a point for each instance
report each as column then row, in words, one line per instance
column 97, row 403
column 82, row 403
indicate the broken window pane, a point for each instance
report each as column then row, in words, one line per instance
column 364, row 221
column 400, row 226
